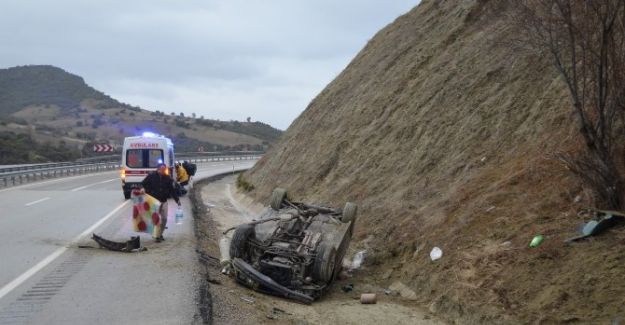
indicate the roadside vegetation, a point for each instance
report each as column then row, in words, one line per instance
column 59, row 110
column 21, row 148
column 47, row 85
column 447, row 136
column 585, row 41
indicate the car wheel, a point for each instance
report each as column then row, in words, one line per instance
column 126, row 195
column 349, row 212
column 239, row 241
column 325, row 262
column 278, row 195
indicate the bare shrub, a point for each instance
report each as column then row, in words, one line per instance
column 586, row 42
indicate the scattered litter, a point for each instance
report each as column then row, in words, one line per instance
column 368, row 298
column 390, row 292
column 206, row 259
column 213, row 281
column 436, row 253
column 344, row 275
column 490, row 208
column 275, row 312
column 248, row 300
column 347, row 288
column 578, row 199
column 537, row 240
column 224, row 251
column 483, row 159
column 601, row 220
column 403, row 290
column 131, row 245
column 506, row 244
column 358, row 259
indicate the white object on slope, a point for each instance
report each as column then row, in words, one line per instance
column 436, row 253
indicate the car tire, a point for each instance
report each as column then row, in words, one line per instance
column 241, row 236
column 126, row 195
column 278, row 195
column 349, row 212
column 325, row 262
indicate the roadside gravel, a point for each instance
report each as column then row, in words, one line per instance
column 231, row 303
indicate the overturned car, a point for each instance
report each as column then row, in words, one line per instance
column 295, row 250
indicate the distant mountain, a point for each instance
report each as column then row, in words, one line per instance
column 46, row 85
column 42, row 105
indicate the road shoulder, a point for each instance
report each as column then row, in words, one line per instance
column 234, row 304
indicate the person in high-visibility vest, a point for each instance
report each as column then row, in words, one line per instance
column 182, row 177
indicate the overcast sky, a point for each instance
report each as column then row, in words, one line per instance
column 223, row 59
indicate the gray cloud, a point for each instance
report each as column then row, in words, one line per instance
column 221, row 59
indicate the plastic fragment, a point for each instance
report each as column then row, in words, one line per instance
column 436, row 253
column 537, row 240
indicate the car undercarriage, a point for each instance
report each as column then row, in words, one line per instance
column 295, row 250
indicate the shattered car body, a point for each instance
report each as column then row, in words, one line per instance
column 295, row 250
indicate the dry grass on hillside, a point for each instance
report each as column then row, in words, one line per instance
column 129, row 123
column 445, row 136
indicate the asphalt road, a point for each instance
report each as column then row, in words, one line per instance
column 46, row 278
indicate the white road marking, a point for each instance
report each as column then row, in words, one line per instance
column 50, row 258
column 84, row 187
column 38, row 201
column 17, row 187
column 110, row 180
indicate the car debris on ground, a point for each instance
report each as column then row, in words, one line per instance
column 368, row 298
column 347, row 288
column 601, row 220
column 359, row 258
column 294, row 250
column 131, row 245
column 249, row 300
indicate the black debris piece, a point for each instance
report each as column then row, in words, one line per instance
column 131, row 245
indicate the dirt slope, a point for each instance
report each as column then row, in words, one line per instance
column 447, row 137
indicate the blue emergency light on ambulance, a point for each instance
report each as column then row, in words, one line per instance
column 142, row 155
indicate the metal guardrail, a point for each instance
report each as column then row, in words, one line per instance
column 47, row 171
column 117, row 158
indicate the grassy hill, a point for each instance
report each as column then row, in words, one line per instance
column 446, row 136
column 46, row 105
column 45, row 85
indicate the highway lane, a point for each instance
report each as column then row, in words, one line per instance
column 46, row 278
column 39, row 218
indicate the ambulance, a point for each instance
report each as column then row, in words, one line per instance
column 142, row 155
